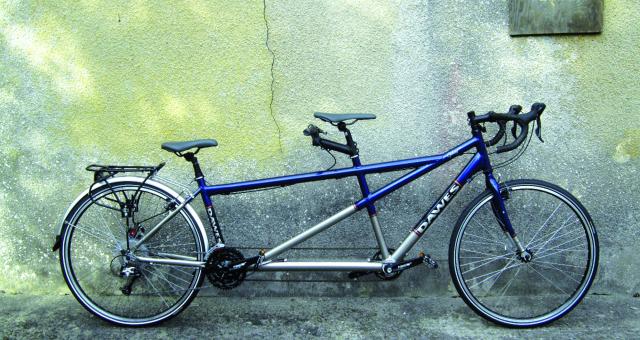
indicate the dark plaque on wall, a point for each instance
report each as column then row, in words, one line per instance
column 527, row 17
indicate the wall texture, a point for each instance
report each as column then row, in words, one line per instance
column 109, row 81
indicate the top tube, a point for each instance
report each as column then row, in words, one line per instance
column 410, row 163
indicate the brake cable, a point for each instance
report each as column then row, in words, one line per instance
column 518, row 155
column 334, row 159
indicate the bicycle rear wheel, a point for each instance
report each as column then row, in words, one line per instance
column 492, row 279
column 94, row 243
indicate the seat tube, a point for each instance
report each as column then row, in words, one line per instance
column 371, row 209
column 211, row 213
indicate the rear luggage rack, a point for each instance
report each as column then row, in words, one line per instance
column 102, row 172
column 127, row 205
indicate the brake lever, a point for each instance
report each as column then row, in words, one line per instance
column 538, row 129
column 514, row 110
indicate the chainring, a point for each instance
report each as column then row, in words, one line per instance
column 382, row 276
column 218, row 267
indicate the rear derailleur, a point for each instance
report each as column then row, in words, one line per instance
column 127, row 270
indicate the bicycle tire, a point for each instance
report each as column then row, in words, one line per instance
column 160, row 292
column 572, row 268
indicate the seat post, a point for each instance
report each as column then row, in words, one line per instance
column 350, row 143
column 191, row 157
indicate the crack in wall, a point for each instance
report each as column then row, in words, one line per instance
column 273, row 61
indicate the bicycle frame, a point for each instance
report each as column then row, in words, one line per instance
column 421, row 166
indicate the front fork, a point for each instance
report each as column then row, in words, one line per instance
column 501, row 194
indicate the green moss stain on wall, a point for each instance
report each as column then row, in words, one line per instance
column 130, row 75
column 193, row 72
column 629, row 147
column 108, row 82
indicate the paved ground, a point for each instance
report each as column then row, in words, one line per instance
column 26, row 316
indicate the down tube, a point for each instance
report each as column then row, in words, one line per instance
column 425, row 222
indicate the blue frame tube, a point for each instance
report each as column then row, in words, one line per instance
column 364, row 187
column 423, row 165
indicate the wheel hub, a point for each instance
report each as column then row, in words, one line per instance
column 526, row 256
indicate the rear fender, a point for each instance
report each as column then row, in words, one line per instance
column 115, row 180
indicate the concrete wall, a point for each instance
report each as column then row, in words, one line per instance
column 109, row 81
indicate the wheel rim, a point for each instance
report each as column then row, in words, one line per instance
column 510, row 291
column 95, row 236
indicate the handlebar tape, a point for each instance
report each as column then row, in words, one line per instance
column 498, row 135
column 521, row 120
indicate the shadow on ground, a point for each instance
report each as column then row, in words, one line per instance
column 31, row 316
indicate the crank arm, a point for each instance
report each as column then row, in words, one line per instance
column 404, row 265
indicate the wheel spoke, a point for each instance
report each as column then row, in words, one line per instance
column 98, row 235
column 106, row 225
column 515, row 291
column 506, row 267
column 489, row 241
column 482, row 253
column 544, row 251
column 159, row 290
column 508, row 285
column 533, row 238
column 155, row 241
column 487, row 230
column 575, row 248
column 492, row 274
column 548, row 280
column 541, row 246
column 487, row 261
column 556, row 269
column 553, row 236
column 537, row 260
column 173, row 285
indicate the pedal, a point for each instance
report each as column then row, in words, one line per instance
column 429, row 262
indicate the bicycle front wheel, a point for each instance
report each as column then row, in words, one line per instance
column 95, row 243
column 553, row 227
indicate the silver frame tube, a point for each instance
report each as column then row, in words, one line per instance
column 320, row 266
column 281, row 265
column 405, row 247
column 310, row 232
column 268, row 265
column 161, row 223
column 177, row 257
column 172, row 262
column 378, row 233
